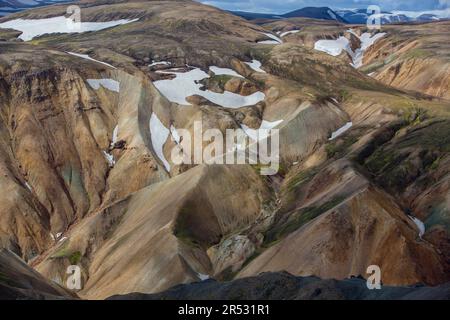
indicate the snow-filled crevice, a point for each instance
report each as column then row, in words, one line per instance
column 159, row 63
column 275, row 39
column 85, row 56
column 109, row 84
column 420, row 226
column 335, row 47
column 159, row 134
column 255, row 65
column 341, row 131
column 284, row 34
column 108, row 155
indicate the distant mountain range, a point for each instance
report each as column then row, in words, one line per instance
column 12, row 6
column 323, row 13
column 360, row 16
column 353, row 16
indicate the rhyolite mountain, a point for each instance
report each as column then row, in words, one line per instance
column 88, row 121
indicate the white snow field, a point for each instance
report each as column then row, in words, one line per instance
column 109, row 84
column 224, row 71
column 109, row 157
column 420, row 225
column 85, row 56
column 341, row 130
column 256, row 66
column 261, row 133
column 187, row 84
column 335, row 47
column 36, row 27
column 159, row 134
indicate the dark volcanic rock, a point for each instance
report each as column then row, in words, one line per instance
column 282, row 286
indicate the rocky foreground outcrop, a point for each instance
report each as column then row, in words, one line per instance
column 284, row 286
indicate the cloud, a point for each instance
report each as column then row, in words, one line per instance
column 288, row 5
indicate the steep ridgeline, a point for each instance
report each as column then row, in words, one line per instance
column 20, row 282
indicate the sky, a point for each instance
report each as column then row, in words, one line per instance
column 283, row 6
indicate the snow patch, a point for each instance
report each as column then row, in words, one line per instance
column 115, row 135
column 367, row 40
column 203, row 277
column 159, row 134
column 85, row 56
column 28, row 186
column 37, row 27
column 165, row 63
column 420, row 225
column 275, row 39
column 340, row 131
column 110, row 158
column 256, row 66
column 284, row 34
column 175, row 136
column 188, row 83
column 335, row 47
column 225, row 71
column 109, row 84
